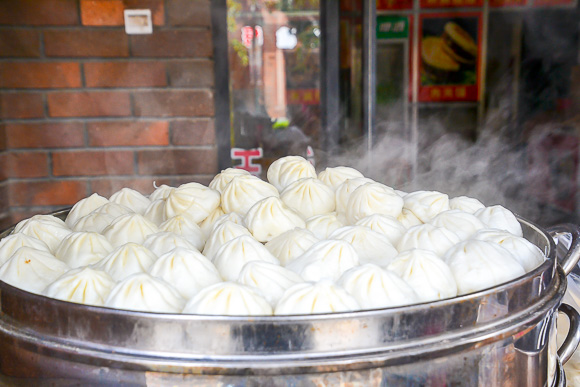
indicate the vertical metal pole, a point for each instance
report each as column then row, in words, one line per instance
column 415, row 92
column 219, row 13
column 483, row 68
column 369, row 70
column 517, row 55
column 330, row 74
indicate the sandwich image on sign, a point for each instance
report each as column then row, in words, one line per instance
column 459, row 45
column 449, row 57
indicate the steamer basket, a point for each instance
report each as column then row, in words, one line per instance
column 504, row 335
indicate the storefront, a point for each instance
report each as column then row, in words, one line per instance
column 409, row 91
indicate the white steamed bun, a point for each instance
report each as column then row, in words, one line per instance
column 374, row 287
column 291, row 244
column 478, row 265
column 83, row 248
column 84, row 207
column 145, row 293
column 32, row 270
column 187, row 270
column 326, row 259
column 84, row 285
column 229, row 299
column 335, row 176
column 270, row 217
column 270, row 279
column 425, row 205
column 315, row 298
column 131, row 199
column 287, row 170
column 234, row 254
column 426, row 273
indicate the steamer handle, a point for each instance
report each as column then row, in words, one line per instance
column 567, row 349
column 569, row 261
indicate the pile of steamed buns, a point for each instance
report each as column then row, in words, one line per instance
column 301, row 243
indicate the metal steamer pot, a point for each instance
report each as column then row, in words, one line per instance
column 504, row 336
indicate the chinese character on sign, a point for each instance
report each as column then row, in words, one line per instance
column 386, row 27
column 435, row 93
column 399, row 26
column 249, row 33
column 461, row 92
column 247, row 156
column 247, row 36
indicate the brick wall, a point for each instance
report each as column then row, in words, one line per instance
column 86, row 108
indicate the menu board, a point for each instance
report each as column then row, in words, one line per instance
column 449, row 57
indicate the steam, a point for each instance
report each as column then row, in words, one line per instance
column 493, row 168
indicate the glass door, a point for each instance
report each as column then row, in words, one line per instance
column 274, row 80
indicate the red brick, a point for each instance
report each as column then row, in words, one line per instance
column 27, row 164
column 102, row 12
column 86, row 43
column 125, row 74
column 191, row 73
column 108, row 186
column 89, row 104
column 19, row 43
column 173, row 43
column 174, row 103
column 21, row 105
column 128, row 133
column 39, row 12
column 110, row 12
column 193, row 132
column 177, row 161
column 39, row 75
column 189, row 13
column 47, row 193
column 44, row 135
column 92, row 163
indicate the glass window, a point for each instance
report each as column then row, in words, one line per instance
column 274, row 49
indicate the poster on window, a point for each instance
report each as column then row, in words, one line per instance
column 449, row 57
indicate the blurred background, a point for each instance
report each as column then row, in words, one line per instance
column 469, row 97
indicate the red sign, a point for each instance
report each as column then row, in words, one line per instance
column 449, row 57
column 387, row 5
column 249, row 33
column 507, row 3
column 247, row 36
column 303, row 96
column 451, row 3
column 247, row 156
